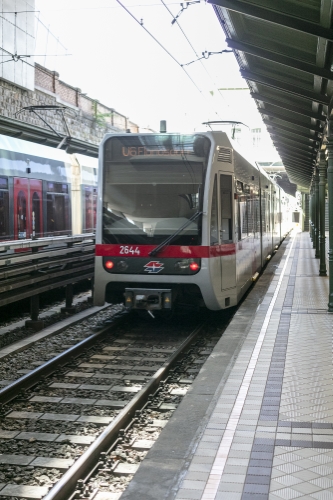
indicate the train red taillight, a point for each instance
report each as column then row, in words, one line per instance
column 194, row 266
column 109, row 264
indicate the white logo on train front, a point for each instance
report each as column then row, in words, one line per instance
column 154, row 267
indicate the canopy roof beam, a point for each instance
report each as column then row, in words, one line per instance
column 293, row 140
column 288, row 106
column 288, row 119
column 291, row 130
column 294, row 145
column 280, row 59
column 285, row 87
column 276, row 17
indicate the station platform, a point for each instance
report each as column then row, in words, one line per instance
column 257, row 423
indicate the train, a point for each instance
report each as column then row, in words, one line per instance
column 45, row 192
column 183, row 220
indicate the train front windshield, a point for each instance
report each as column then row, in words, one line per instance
column 153, row 184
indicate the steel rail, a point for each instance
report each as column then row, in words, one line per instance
column 65, row 487
column 32, row 378
column 46, row 241
column 43, row 255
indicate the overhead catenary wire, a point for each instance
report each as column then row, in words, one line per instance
column 162, row 46
column 159, row 43
column 107, row 7
column 175, row 21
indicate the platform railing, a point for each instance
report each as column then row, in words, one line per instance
column 34, row 266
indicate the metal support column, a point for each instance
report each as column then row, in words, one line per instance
column 329, row 150
column 313, row 207
column 34, row 307
column 310, row 213
column 34, row 323
column 316, row 183
column 69, row 300
column 322, row 190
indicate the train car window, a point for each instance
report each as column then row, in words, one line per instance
column 21, row 204
column 250, row 214
column 243, row 217
column 57, row 187
column 256, row 215
column 295, row 217
column 263, row 211
column 226, row 207
column 214, row 237
column 3, row 183
column 90, row 203
column 58, row 220
column 239, row 187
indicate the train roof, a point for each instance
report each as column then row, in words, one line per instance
column 30, row 148
column 87, row 161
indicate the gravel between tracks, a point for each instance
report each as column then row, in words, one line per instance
column 49, row 347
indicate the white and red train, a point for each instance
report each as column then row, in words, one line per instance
column 44, row 191
column 182, row 219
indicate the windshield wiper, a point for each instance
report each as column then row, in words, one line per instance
column 172, row 236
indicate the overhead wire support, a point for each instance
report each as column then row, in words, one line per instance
column 150, row 34
column 195, row 52
column 187, row 4
column 179, row 26
column 206, row 55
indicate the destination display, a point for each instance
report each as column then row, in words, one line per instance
column 126, row 148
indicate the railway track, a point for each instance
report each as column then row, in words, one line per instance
column 80, row 423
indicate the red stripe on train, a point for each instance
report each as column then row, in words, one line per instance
column 171, row 251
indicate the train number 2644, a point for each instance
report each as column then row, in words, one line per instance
column 126, row 250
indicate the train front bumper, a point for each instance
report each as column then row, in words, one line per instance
column 149, row 299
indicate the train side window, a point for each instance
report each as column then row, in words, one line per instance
column 256, row 215
column 250, row 207
column 58, row 209
column 226, row 208
column 243, row 216
column 263, row 211
column 214, row 238
column 90, row 203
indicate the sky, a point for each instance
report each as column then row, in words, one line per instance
column 115, row 60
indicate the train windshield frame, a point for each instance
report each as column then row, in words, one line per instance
column 152, row 185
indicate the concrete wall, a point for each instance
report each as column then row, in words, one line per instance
column 87, row 119
column 17, row 36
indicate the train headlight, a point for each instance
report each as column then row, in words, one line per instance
column 109, row 264
column 182, row 264
column 194, row 266
column 122, row 265
column 189, row 265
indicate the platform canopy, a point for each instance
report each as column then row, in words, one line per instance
column 285, row 53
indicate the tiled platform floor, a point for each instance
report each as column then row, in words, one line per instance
column 270, row 435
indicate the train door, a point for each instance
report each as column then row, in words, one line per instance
column 228, row 256
column 27, row 208
column 36, row 198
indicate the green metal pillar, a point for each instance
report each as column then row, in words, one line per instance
column 316, row 183
column 329, row 149
column 322, row 191
column 311, row 214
